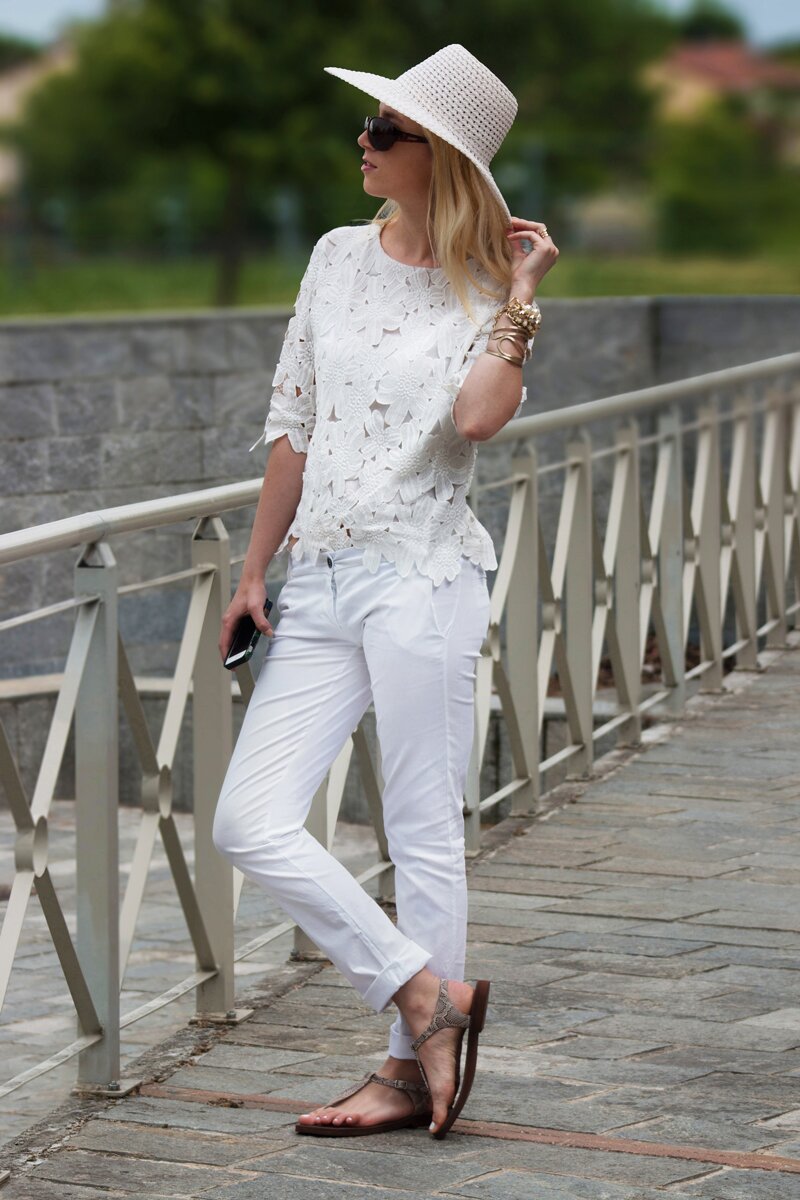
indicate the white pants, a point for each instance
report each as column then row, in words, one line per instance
column 346, row 637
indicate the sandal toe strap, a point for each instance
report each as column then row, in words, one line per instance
column 418, row 1093
column 350, row 1091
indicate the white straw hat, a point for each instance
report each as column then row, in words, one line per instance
column 453, row 95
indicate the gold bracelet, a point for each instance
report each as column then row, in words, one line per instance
column 505, row 333
column 527, row 316
column 499, row 354
column 510, row 337
column 512, row 329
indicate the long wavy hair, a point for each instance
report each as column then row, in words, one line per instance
column 465, row 220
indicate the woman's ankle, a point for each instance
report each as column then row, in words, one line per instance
column 401, row 1068
column 414, row 995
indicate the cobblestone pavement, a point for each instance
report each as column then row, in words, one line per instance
column 643, row 1036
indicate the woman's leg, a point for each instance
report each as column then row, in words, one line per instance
column 421, row 646
column 422, row 652
column 311, row 692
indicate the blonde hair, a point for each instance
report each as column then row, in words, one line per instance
column 465, row 219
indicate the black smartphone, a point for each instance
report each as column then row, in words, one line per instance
column 245, row 636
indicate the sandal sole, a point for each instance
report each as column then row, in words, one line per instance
column 480, row 1001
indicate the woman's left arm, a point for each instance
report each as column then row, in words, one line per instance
column 491, row 392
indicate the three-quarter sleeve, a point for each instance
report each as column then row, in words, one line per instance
column 289, row 412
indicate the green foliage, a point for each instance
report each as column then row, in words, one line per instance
column 710, row 20
column 153, row 283
column 241, row 83
column 716, row 184
column 15, row 50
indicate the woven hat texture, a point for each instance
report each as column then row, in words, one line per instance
column 453, row 95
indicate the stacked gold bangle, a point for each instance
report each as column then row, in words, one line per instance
column 525, row 322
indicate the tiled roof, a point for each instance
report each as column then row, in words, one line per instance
column 731, row 66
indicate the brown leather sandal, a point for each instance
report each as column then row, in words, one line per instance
column 447, row 1015
column 420, row 1115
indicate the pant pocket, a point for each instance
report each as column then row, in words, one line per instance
column 444, row 603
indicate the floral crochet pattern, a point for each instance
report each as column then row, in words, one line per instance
column 379, row 351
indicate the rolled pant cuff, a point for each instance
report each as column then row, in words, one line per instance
column 379, row 993
column 400, row 1045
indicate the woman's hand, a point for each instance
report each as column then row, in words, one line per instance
column 529, row 269
column 249, row 597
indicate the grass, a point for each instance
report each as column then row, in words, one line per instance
column 120, row 285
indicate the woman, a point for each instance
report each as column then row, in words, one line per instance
column 400, row 357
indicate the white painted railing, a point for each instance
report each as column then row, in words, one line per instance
column 681, row 546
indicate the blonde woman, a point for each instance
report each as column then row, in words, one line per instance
column 404, row 352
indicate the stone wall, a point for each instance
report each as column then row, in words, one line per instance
column 98, row 412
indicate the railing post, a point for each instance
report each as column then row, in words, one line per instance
column 772, row 491
column 212, row 724
column 522, row 633
column 742, row 509
column 580, row 603
column 707, row 523
column 792, row 536
column 96, row 822
column 670, row 560
column 628, row 580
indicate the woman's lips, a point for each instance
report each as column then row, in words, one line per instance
column 368, row 166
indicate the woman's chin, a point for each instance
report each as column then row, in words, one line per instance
column 370, row 190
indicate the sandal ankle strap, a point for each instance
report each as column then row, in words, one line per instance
column 407, row 1085
column 445, row 1015
column 417, row 1093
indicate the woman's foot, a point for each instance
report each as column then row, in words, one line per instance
column 416, row 1000
column 374, row 1102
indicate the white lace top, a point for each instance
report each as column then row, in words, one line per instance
column 380, row 350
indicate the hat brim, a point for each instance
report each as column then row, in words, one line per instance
column 380, row 87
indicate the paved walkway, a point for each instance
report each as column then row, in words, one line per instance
column 643, row 1039
column 38, row 1017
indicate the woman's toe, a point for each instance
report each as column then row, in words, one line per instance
column 439, row 1114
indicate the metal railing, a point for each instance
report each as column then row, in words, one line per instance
column 718, row 544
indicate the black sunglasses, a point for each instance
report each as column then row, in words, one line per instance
column 383, row 134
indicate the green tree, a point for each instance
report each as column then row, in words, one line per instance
column 231, row 81
column 709, row 20
column 15, row 50
column 713, row 179
column 239, row 85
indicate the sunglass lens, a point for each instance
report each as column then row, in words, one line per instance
column 381, row 133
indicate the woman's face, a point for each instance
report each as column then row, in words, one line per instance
column 403, row 173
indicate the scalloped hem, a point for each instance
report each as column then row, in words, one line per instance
column 481, row 556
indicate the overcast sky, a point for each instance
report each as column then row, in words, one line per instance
column 766, row 21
